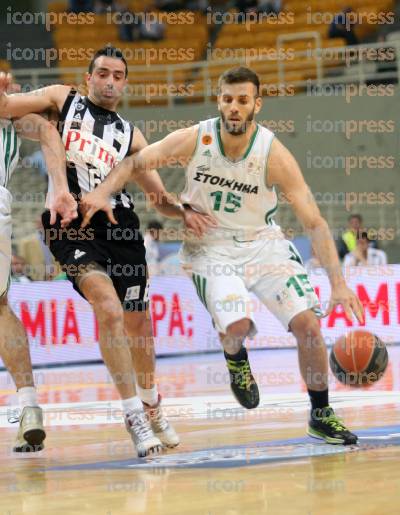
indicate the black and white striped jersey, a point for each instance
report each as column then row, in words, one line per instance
column 95, row 141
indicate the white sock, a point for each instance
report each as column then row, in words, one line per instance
column 131, row 404
column 148, row 395
column 27, row 396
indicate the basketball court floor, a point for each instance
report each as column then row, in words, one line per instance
column 230, row 461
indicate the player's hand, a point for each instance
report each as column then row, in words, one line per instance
column 66, row 206
column 93, row 202
column 197, row 223
column 5, row 82
column 344, row 296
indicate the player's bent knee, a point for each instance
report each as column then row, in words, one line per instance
column 239, row 329
column 305, row 326
column 109, row 312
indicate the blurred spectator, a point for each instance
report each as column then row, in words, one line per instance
column 169, row 5
column 127, row 27
column 151, row 243
column 150, row 28
column 61, row 276
column 18, row 269
column 104, row 6
column 245, row 6
column 364, row 254
column 269, row 6
column 81, row 6
column 348, row 240
column 197, row 5
column 170, row 265
column 343, row 27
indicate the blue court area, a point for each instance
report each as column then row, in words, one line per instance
column 257, row 453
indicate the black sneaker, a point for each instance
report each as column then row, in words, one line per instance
column 325, row 425
column 243, row 385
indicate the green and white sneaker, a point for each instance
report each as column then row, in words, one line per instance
column 325, row 425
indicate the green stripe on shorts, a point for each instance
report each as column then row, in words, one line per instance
column 201, row 284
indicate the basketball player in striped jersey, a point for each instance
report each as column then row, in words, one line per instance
column 233, row 166
column 96, row 138
column 14, row 346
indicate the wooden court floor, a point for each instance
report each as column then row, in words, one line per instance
column 230, row 461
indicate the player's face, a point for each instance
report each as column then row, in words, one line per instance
column 107, row 81
column 355, row 223
column 238, row 103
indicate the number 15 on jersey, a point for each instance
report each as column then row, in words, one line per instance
column 226, row 201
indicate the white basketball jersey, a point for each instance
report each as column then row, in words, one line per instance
column 9, row 151
column 234, row 193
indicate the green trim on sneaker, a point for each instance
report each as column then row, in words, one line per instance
column 243, row 384
column 325, row 425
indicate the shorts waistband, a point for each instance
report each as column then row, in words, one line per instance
column 230, row 237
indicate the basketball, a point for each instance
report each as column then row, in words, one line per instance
column 358, row 358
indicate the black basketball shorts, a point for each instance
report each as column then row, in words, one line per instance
column 117, row 250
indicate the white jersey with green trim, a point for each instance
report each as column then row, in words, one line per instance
column 9, row 151
column 233, row 192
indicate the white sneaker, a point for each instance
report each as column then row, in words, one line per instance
column 31, row 433
column 160, row 425
column 138, row 426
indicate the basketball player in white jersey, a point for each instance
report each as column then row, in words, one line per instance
column 14, row 346
column 96, row 138
column 232, row 168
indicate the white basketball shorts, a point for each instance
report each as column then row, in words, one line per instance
column 225, row 275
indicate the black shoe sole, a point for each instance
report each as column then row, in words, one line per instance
column 34, row 439
column 244, row 402
column 153, row 451
column 330, row 439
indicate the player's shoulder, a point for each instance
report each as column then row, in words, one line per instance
column 125, row 121
column 189, row 131
column 59, row 93
column 183, row 135
column 265, row 131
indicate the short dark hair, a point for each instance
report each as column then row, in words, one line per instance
column 355, row 215
column 239, row 75
column 109, row 51
column 364, row 236
column 155, row 225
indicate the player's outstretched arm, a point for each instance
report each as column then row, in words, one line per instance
column 37, row 128
column 175, row 149
column 37, row 101
column 284, row 172
column 150, row 182
column 131, row 169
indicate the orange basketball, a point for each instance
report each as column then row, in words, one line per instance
column 358, row 359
